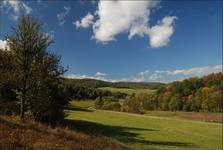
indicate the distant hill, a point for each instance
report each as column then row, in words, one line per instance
column 93, row 83
column 137, row 85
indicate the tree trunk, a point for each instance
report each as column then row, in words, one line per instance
column 22, row 109
column 23, row 99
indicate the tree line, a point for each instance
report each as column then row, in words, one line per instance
column 193, row 94
column 202, row 94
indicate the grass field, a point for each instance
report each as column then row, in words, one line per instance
column 83, row 103
column 128, row 91
column 149, row 132
column 200, row 116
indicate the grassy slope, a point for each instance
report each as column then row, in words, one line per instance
column 83, row 103
column 147, row 132
column 35, row 136
column 127, row 90
column 200, row 116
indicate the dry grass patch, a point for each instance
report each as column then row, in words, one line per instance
column 35, row 136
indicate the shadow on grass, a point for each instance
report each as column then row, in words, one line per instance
column 122, row 134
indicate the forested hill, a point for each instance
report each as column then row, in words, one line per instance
column 192, row 94
column 93, row 83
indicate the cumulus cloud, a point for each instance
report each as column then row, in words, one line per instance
column 121, row 16
column 17, row 7
column 160, row 34
column 3, row 45
column 85, row 22
column 61, row 16
column 132, row 17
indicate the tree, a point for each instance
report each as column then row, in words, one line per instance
column 216, row 103
column 99, row 102
column 39, row 71
column 8, row 103
column 132, row 104
column 206, row 93
column 175, row 103
column 166, row 100
column 27, row 44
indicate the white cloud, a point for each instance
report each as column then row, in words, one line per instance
column 132, row 17
column 143, row 73
column 154, row 77
column 140, row 76
column 121, row 16
column 17, row 6
column 77, row 76
column 61, row 16
column 26, row 8
column 198, row 71
column 171, row 75
column 98, row 74
column 137, row 79
column 3, row 45
column 160, row 34
column 50, row 34
column 85, row 22
column 178, row 74
column 218, row 68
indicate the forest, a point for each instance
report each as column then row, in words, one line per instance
column 197, row 94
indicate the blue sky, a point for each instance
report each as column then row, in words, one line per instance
column 134, row 41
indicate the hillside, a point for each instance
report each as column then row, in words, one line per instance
column 99, row 83
column 36, row 136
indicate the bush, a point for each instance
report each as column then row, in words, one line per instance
column 98, row 103
column 132, row 104
column 112, row 106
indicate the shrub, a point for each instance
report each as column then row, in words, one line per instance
column 112, row 106
column 98, row 103
column 132, row 104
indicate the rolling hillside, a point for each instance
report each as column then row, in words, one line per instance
column 99, row 83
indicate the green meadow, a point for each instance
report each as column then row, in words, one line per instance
column 128, row 90
column 144, row 132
